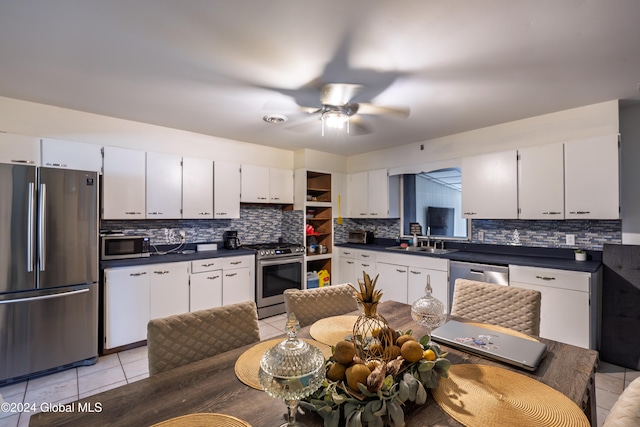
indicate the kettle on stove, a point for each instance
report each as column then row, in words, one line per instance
column 231, row 240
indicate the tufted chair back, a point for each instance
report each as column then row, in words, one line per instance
column 310, row 305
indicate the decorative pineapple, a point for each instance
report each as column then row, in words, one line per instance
column 371, row 333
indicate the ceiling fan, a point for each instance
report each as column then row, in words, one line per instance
column 339, row 109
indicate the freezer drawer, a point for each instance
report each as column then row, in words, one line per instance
column 45, row 330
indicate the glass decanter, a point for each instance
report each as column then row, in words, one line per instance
column 428, row 311
column 291, row 370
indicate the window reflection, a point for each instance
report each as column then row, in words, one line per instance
column 434, row 199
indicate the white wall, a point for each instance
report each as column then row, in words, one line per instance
column 591, row 120
column 630, row 173
column 28, row 118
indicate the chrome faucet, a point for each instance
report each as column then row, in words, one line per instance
column 428, row 237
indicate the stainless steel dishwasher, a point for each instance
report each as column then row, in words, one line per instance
column 498, row 274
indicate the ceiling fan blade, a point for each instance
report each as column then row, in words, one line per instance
column 306, row 125
column 358, row 126
column 338, row 93
column 366, row 108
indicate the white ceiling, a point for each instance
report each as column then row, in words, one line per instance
column 218, row 66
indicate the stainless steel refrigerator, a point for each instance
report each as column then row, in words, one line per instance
column 48, row 270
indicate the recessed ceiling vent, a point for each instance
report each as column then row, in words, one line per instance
column 275, row 118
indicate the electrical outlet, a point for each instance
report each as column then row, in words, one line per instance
column 481, row 236
column 182, row 233
column 570, row 239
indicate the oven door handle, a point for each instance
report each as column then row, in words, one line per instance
column 280, row 261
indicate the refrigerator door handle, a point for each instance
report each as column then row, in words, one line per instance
column 30, row 225
column 42, row 229
column 59, row 295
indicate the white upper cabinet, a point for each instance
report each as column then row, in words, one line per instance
column 123, row 190
column 358, row 190
column 255, row 184
column 261, row 184
column 280, row 185
column 591, row 178
column 369, row 195
column 490, row 186
column 71, row 155
column 226, row 190
column 197, row 188
column 541, row 182
column 164, row 186
column 19, row 149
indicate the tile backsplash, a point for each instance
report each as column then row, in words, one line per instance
column 257, row 224
column 589, row 234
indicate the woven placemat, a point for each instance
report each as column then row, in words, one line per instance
column 330, row 330
column 481, row 395
column 248, row 364
column 503, row 330
column 203, row 420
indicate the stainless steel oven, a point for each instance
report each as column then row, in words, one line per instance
column 278, row 267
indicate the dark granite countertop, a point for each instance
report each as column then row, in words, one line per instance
column 557, row 258
column 177, row 257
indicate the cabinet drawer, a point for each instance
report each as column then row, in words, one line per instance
column 347, row 253
column 571, row 280
column 367, row 256
column 206, row 265
column 237, row 262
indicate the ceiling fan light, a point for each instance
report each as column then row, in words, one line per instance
column 335, row 119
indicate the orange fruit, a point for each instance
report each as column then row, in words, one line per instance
column 429, row 355
column 357, row 374
column 411, row 351
column 343, row 352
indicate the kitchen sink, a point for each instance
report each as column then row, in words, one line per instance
column 427, row 249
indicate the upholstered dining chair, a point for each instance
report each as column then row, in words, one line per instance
column 626, row 411
column 185, row 338
column 507, row 306
column 314, row 304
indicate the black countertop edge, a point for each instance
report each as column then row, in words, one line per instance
column 556, row 258
column 176, row 257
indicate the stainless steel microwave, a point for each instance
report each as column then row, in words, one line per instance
column 115, row 246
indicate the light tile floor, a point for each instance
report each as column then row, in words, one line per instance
column 114, row 370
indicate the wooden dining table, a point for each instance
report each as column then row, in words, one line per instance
column 211, row 385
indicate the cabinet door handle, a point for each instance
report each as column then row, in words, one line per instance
column 137, row 274
column 366, row 256
column 209, row 264
column 155, row 213
column 275, row 198
column 204, row 213
column 363, row 213
column 133, row 213
column 470, row 213
column 545, row 278
column 373, row 213
column 212, row 277
column 61, row 165
column 221, row 213
column 262, row 198
column 366, row 265
column 231, row 274
column 161, row 272
column 28, row 162
column 401, row 271
column 580, row 212
column 349, row 262
column 346, row 253
column 415, row 272
column 551, row 213
column 236, row 262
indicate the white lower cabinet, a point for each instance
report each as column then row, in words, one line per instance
column 402, row 277
column 566, row 314
column 169, row 289
column 205, row 290
column 392, row 281
column 238, row 283
column 126, row 305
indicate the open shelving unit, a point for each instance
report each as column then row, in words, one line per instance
column 319, row 214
